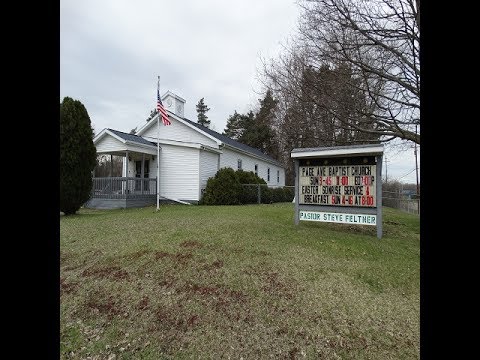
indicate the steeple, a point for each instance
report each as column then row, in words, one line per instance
column 173, row 103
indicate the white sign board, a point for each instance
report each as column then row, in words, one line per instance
column 347, row 185
column 343, row 218
column 339, row 184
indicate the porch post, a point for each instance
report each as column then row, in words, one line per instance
column 111, row 173
column 126, row 163
column 111, row 165
column 143, row 173
column 126, row 171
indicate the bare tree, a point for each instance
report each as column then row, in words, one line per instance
column 377, row 42
column 317, row 106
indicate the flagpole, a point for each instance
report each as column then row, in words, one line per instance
column 158, row 150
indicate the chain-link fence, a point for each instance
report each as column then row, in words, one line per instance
column 264, row 194
column 398, row 201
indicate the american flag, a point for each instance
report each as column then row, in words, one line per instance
column 160, row 108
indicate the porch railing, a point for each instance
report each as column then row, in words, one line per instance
column 123, row 187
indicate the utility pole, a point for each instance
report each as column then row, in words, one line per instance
column 386, row 168
column 416, row 162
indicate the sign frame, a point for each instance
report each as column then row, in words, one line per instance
column 336, row 152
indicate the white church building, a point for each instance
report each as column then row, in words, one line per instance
column 189, row 155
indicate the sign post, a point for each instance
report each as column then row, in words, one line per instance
column 341, row 184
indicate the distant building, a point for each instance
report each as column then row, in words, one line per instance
column 408, row 193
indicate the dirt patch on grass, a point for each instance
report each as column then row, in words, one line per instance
column 67, row 288
column 217, row 291
column 112, row 272
column 392, row 223
column 168, row 281
column 182, row 259
column 173, row 319
column 109, row 306
column 72, row 267
column 230, row 303
column 136, row 255
column 217, row 264
column 65, row 256
column 191, row 244
column 178, row 258
column 278, row 287
column 161, row 255
column 170, row 325
column 192, row 320
column 143, row 304
column 292, row 354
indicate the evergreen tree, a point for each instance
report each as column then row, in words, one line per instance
column 202, row 109
column 234, row 127
column 259, row 128
column 77, row 155
column 248, row 135
column 264, row 121
column 256, row 129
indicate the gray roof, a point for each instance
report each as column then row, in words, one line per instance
column 132, row 138
column 298, row 150
column 233, row 143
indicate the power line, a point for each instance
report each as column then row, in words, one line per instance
column 408, row 173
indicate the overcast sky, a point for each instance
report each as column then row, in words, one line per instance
column 111, row 52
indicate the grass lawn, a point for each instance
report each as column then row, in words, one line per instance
column 237, row 282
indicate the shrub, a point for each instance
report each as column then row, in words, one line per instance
column 228, row 187
column 249, row 177
column 222, row 189
column 248, row 194
column 289, row 194
column 277, row 195
column 266, row 195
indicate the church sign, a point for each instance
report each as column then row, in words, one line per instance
column 339, row 184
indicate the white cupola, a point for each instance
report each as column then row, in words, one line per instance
column 173, row 103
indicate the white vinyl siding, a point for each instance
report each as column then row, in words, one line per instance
column 179, row 177
column 177, row 131
column 208, row 167
column 281, row 181
column 229, row 158
column 109, row 143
